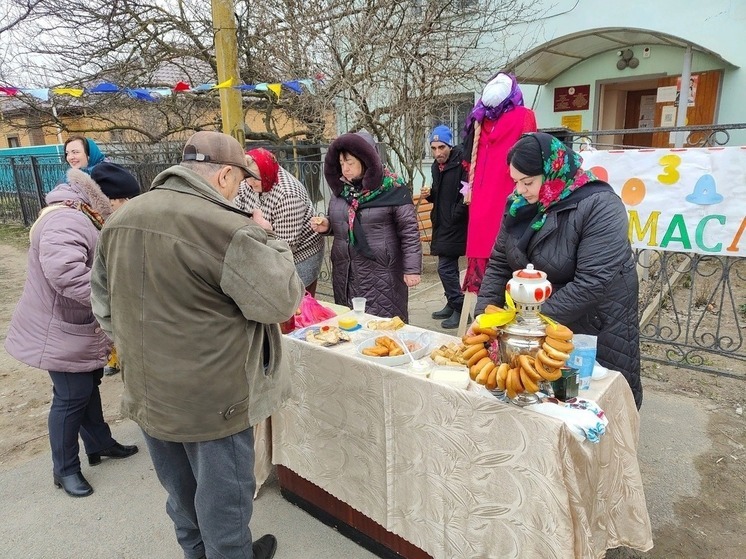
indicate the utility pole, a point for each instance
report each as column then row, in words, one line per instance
column 226, row 55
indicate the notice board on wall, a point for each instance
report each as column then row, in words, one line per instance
column 572, row 98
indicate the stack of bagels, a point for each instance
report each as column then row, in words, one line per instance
column 526, row 372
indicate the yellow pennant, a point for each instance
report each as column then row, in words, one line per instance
column 75, row 92
column 275, row 88
column 548, row 320
column 500, row 318
column 223, row 85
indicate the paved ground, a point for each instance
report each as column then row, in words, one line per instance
column 125, row 517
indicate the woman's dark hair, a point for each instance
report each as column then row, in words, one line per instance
column 347, row 154
column 526, row 156
column 86, row 149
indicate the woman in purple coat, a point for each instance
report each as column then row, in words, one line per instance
column 53, row 327
column 376, row 251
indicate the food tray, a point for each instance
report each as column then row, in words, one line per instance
column 422, row 338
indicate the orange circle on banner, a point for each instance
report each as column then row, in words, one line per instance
column 600, row 172
column 633, row 192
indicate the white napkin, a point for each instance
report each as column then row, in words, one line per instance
column 584, row 418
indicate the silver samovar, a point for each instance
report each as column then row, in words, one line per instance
column 529, row 288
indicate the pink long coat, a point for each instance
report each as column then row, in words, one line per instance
column 492, row 182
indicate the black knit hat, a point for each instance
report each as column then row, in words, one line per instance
column 115, row 182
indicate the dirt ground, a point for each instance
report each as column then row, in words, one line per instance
column 710, row 525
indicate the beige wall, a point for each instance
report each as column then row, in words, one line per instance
column 20, row 128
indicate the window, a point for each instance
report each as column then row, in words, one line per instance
column 451, row 111
column 13, row 142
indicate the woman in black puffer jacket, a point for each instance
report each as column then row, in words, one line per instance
column 574, row 227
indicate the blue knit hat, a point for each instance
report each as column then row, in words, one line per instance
column 442, row 133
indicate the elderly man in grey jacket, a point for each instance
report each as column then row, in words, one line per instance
column 191, row 290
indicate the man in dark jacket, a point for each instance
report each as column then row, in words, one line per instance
column 449, row 219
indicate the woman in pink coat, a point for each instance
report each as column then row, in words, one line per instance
column 53, row 326
column 494, row 125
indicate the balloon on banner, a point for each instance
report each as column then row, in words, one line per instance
column 600, row 172
column 633, row 192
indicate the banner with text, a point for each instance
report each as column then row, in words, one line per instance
column 682, row 200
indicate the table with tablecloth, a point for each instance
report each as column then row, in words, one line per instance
column 459, row 473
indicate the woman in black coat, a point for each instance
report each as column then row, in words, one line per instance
column 574, row 227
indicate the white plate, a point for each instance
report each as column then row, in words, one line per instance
column 421, row 337
column 599, row 372
column 457, row 377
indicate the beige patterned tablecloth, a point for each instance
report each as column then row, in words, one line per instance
column 457, row 472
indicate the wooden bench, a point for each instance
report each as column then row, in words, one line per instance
column 424, row 224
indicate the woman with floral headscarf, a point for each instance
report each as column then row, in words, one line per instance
column 574, row 227
column 493, row 126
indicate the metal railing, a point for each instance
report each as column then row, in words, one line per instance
column 692, row 307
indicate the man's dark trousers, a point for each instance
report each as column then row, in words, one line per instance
column 449, row 277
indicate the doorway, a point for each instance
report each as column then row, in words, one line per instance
column 633, row 104
column 626, row 105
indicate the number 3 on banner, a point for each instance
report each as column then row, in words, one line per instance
column 670, row 174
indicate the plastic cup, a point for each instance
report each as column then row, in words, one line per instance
column 583, row 358
column 358, row 305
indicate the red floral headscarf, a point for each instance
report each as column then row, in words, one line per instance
column 268, row 167
column 563, row 175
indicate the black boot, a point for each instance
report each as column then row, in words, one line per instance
column 74, row 485
column 445, row 312
column 264, row 547
column 452, row 321
column 115, row 451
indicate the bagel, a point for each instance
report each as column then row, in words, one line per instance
column 502, row 374
column 482, row 362
column 509, row 384
column 484, row 372
column 492, row 379
column 476, row 357
column 528, row 382
column 550, row 363
column 516, row 377
column 554, row 375
column 527, row 364
column 491, row 332
column 555, row 354
column 478, row 339
column 559, row 345
column 470, row 350
column 544, row 371
column 559, row 331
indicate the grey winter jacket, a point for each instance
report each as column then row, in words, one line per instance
column 584, row 249
column 53, row 326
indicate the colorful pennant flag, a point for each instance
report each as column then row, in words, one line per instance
column 154, row 94
column 275, row 88
column 224, row 85
column 104, row 87
column 72, row 91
